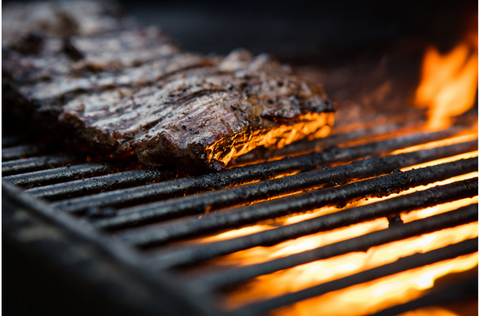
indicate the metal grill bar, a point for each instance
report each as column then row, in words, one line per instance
column 402, row 264
column 376, row 187
column 450, row 219
column 36, row 163
column 68, row 173
column 267, row 189
column 172, row 257
column 18, row 152
column 235, row 176
column 98, row 184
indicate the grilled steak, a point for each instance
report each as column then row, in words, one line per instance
column 134, row 92
column 60, row 19
column 57, row 58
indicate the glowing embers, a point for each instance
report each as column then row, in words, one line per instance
column 448, row 84
column 376, row 295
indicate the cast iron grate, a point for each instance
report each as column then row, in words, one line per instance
column 149, row 220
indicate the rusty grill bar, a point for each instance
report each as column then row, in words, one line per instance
column 153, row 212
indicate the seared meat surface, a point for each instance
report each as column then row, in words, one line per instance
column 57, row 58
column 60, row 19
column 134, row 92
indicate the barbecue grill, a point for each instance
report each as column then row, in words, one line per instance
column 149, row 239
column 378, row 218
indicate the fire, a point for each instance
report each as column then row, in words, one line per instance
column 322, row 271
column 372, row 296
column 340, row 266
column 448, row 88
column 260, row 254
column 448, row 84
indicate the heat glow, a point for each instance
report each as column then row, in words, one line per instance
column 379, row 294
column 448, row 84
column 447, row 89
column 322, row 271
column 376, row 295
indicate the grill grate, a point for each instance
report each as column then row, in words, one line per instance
column 143, row 219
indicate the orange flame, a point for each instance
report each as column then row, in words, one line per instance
column 333, row 268
column 398, row 289
column 448, row 84
column 364, row 298
column 379, row 294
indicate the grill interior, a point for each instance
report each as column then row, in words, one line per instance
column 247, row 241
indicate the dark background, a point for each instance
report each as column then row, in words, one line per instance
column 304, row 31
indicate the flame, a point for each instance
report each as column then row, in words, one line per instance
column 363, row 298
column 448, row 88
column 333, row 268
column 448, row 84
column 437, row 209
column 260, row 254
column 379, row 294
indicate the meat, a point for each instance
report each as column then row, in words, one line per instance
column 61, row 19
column 54, row 58
column 134, row 92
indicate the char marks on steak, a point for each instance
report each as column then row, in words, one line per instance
column 133, row 91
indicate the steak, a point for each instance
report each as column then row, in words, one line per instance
column 61, row 19
column 134, row 92
column 56, row 58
